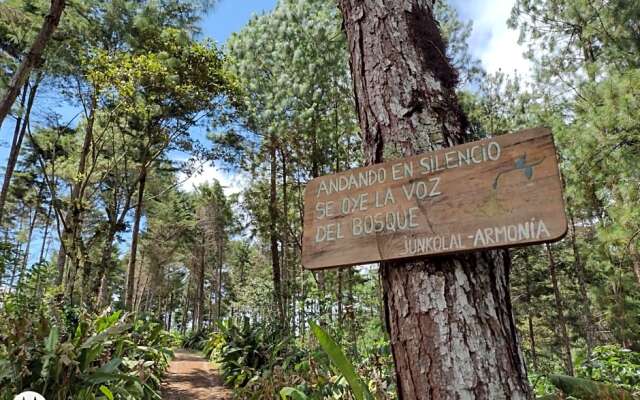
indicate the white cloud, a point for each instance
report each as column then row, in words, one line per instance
column 231, row 182
column 492, row 41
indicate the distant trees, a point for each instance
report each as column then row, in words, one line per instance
column 298, row 104
column 140, row 81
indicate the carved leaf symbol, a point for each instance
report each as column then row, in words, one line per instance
column 528, row 171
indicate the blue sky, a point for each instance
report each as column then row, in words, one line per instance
column 231, row 15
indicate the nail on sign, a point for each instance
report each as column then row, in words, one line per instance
column 498, row 192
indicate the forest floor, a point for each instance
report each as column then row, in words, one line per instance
column 191, row 377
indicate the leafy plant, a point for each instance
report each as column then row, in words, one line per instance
column 612, row 364
column 112, row 355
column 589, row 390
column 359, row 389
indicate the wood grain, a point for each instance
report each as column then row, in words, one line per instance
column 498, row 192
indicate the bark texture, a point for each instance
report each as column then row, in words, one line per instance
column 33, row 57
column 450, row 318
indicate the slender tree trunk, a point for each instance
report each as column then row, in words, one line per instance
column 185, row 310
column 273, row 229
column 140, row 285
column 45, row 234
column 16, row 134
column 16, row 144
column 451, row 325
column 61, row 261
column 587, row 316
column 14, row 261
column 69, row 245
column 562, row 323
column 200, row 288
column 131, row 270
column 636, row 265
column 33, row 57
column 100, row 286
column 27, row 249
column 532, row 337
column 220, row 263
column 286, row 279
column 169, row 311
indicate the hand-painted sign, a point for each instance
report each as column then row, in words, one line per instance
column 498, row 192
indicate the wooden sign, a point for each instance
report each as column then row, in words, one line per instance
column 498, row 192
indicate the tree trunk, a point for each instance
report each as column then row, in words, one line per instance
column 562, row 323
column 451, row 325
column 200, row 288
column 16, row 144
column 532, row 338
column 286, row 282
column 33, row 57
column 27, row 250
column 73, row 221
column 169, row 311
column 636, row 265
column 131, row 274
column 14, row 261
column 100, row 286
column 45, row 234
column 531, row 307
column 219, row 292
column 273, row 230
column 587, row 317
column 16, row 134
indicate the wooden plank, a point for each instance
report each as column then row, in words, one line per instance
column 498, row 192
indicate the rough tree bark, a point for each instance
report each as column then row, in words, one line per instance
column 451, row 325
column 32, row 58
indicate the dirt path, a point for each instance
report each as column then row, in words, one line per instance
column 191, row 377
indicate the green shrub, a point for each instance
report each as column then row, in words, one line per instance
column 195, row 340
column 258, row 362
column 72, row 354
column 612, row 364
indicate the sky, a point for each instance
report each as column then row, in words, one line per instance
column 491, row 41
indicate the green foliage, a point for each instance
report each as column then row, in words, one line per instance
column 588, row 390
column 359, row 389
column 612, row 364
column 295, row 394
column 196, row 340
column 249, row 350
column 67, row 353
column 258, row 362
column 611, row 369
